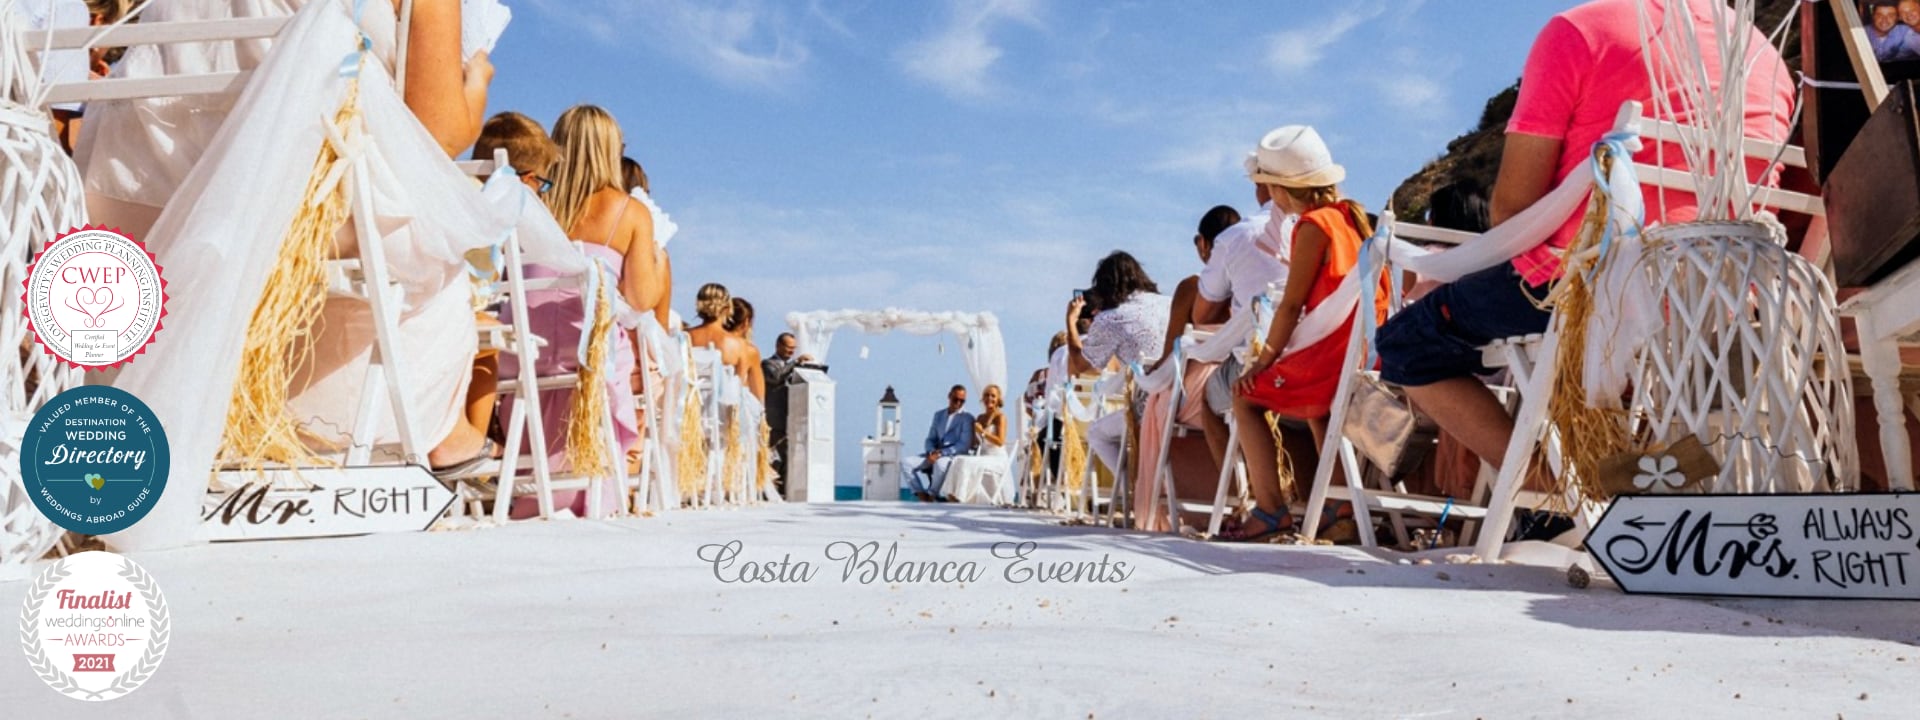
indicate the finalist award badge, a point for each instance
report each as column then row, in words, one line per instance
column 94, row 297
column 94, row 459
column 94, row 626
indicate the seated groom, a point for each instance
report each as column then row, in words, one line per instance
column 950, row 435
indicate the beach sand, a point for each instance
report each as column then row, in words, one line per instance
column 623, row 619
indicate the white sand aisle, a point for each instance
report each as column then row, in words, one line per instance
column 621, row 619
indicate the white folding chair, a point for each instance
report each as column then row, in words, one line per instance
column 657, row 489
column 1385, row 495
column 1166, row 496
column 366, row 277
column 525, row 425
column 1233, row 469
column 710, row 382
column 1101, row 397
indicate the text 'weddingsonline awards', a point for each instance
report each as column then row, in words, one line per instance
column 94, row 298
column 94, row 626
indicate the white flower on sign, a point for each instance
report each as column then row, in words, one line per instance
column 1657, row 470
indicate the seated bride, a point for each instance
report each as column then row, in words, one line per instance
column 984, row 476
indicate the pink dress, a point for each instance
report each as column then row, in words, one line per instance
column 559, row 316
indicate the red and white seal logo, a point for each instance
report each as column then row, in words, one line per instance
column 95, row 297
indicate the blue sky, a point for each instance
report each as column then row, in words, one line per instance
column 984, row 154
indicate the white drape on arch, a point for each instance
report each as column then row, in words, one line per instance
column 983, row 351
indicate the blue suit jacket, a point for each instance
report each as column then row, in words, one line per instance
column 950, row 438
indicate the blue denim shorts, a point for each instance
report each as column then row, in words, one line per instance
column 1440, row 336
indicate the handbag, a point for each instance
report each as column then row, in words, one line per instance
column 1382, row 425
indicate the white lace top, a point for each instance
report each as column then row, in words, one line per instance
column 1136, row 331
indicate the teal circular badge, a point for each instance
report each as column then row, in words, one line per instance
column 94, row 460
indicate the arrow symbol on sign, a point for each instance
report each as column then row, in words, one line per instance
column 1760, row 526
column 1640, row 523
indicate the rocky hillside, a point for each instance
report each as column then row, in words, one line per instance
column 1476, row 155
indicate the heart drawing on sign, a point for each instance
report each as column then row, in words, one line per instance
column 94, row 480
column 93, row 303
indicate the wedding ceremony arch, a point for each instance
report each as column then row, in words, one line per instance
column 981, row 348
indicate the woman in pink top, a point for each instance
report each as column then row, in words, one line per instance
column 1583, row 66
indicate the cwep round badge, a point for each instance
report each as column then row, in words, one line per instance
column 94, row 459
column 95, row 297
column 94, row 626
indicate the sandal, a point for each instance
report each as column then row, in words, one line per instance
column 1269, row 526
column 468, row 465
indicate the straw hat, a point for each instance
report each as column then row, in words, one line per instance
column 1295, row 157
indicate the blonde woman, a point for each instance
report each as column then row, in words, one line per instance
column 985, row 474
column 589, row 200
column 713, row 305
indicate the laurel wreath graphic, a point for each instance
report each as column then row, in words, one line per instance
column 157, row 617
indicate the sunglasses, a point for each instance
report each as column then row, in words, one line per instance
column 545, row 184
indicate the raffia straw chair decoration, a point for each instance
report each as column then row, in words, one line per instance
column 1588, row 433
column 1073, row 453
column 734, row 457
column 765, row 474
column 587, row 452
column 690, row 456
column 1744, row 346
column 40, row 197
column 259, row 428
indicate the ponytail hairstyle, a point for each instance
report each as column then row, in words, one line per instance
column 1314, row 198
column 714, row 304
column 590, row 143
column 742, row 316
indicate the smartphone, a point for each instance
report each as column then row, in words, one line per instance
column 1079, row 295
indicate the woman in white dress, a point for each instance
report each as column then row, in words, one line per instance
column 985, row 474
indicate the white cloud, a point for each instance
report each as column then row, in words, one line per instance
column 1411, row 92
column 1299, row 49
column 959, row 57
column 1214, row 137
column 744, row 42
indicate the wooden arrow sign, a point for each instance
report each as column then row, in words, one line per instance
column 323, row 502
column 1857, row 545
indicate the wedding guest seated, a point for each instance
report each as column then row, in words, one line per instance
column 1460, row 205
column 713, row 305
column 616, row 233
column 741, row 325
column 1892, row 40
column 1910, row 14
column 949, row 436
column 1187, row 293
column 1249, row 257
column 1037, row 383
column 1298, row 382
column 639, row 186
column 1197, row 376
column 1582, row 67
column 532, row 156
column 133, row 154
column 1129, row 330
